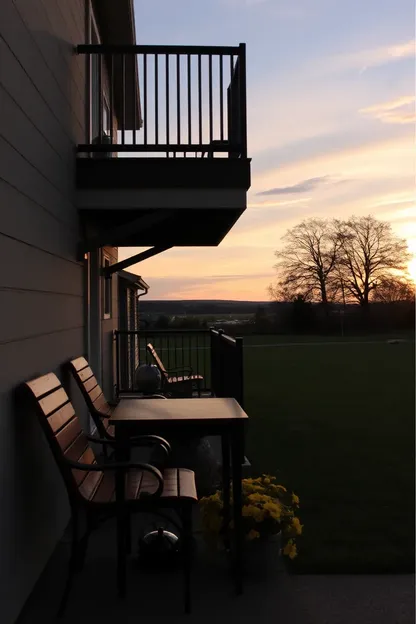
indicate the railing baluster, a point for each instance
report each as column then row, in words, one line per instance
column 123, row 99
column 167, row 101
column 100, row 98
column 189, row 102
column 156, row 99
column 221, row 58
column 145, row 97
column 178, row 98
column 134, row 102
column 211, row 117
column 197, row 355
column 243, row 100
column 112, row 98
column 200, row 98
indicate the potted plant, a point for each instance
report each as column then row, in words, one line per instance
column 270, row 523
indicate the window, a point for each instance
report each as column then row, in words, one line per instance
column 107, row 291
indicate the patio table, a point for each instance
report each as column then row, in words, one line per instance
column 200, row 417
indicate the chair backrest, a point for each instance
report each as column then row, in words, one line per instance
column 157, row 359
column 64, row 433
column 91, row 391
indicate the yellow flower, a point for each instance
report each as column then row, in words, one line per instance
column 274, row 510
column 253, row 535
column 296, row 526
column 295, row 499
column 259, row 498
column 251, row 511
column 266, row 481
column 290, row 550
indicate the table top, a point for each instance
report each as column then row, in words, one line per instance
column 153, row 410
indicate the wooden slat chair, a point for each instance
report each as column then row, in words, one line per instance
column 98, row 406
column 176, row 382
column 91, row 487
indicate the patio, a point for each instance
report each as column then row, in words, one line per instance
column 304, row 599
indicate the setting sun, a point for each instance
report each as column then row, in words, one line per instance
column 412, row 269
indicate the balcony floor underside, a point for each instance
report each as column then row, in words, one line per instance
column 175, row 227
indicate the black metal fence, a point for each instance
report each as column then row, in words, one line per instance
column 177, row 100
column 210, row 353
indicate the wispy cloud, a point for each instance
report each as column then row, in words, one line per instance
column 362, row 60
column 300, row 187
column 399, row 111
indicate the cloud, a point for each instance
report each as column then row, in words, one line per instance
column 374, row 57
column 300, row 187
column 399, row 111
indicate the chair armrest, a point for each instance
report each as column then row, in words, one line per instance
column 141, row 440
column 120, row 466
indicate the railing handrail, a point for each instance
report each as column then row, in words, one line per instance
column 88, row 48
column 150, row 331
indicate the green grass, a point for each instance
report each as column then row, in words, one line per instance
column 336, row 424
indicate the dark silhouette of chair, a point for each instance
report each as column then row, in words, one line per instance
column 98, row 406
column 92, row 487
column 176, row 381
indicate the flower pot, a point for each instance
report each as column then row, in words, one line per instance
column 262, row 557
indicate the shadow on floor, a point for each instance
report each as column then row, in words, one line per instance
column 275, row 596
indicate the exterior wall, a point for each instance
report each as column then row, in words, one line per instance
column 42, row 95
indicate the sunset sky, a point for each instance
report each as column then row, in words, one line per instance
column 331, row 113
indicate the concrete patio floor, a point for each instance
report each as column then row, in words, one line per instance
column 272, row 597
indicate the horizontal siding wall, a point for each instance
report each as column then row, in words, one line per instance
column 42, row 102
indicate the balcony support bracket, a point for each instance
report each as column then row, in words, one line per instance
column 149, row 253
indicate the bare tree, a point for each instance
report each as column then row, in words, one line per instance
column 369, row 253
column 307, row 263
column 393, row 289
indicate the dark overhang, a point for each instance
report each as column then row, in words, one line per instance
column 186, row 227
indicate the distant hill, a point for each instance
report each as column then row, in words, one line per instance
column 209, row 306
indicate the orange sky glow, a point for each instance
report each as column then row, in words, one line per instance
column 330, row 134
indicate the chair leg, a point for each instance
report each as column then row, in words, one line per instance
column 72, row 566
column 187, row 553
column 83, row 547
column 128, row 534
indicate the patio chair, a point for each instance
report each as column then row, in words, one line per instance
column 98, row 406
column 91, row 487
column 176, row 381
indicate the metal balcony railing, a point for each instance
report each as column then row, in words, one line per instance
column 210, row 353
column 167, row 100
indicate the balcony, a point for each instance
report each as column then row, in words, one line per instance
column 210, row 353
column 167, row 150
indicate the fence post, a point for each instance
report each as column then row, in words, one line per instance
column 240, row 370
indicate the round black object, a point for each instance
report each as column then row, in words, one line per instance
column 159, row 549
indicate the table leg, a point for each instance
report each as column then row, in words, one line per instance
column 225, row 447
column 237, row 452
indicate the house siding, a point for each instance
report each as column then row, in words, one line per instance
column 42, row 95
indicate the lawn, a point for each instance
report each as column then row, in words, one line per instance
column 335, row 422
